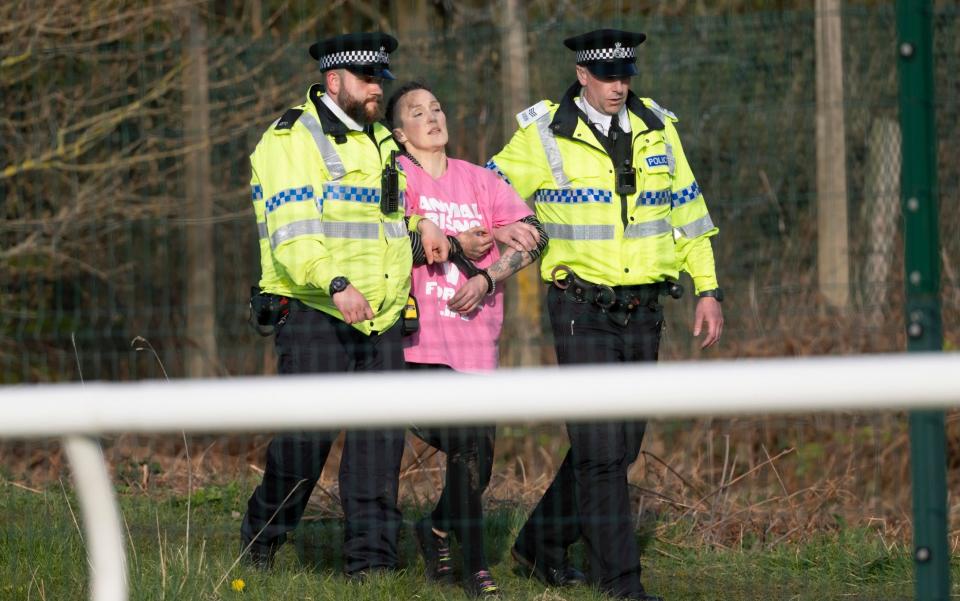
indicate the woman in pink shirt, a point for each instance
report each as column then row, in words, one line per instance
column 461, row 311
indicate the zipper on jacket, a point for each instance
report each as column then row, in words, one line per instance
column 623, row 210
column 623, row 198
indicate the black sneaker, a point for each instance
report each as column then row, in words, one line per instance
column 437, row 559
column 555, row 576
column 481, row 586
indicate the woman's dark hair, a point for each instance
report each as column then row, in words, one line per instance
column 410, row 86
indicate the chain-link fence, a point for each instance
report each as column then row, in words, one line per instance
column 111, row 218
column 99, row 216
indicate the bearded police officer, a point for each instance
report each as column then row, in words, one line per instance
column 336, row 260
column 624, row 213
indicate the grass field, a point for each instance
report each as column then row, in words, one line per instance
column 42, row 557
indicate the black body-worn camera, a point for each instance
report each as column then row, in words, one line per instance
column 626, row 179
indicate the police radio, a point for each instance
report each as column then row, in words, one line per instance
column 390, row 186
column 626, row 179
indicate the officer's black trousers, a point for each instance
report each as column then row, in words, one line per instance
column 314, row 342
column 589, row 495
column 469, row 451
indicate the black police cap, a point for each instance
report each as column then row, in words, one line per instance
column 359, row 53
column 607, row 52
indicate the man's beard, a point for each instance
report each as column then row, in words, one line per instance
column 357, row 110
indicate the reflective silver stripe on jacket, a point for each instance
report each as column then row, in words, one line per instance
column 671, row 161
column 330, row 157
column 697, row 227
column 294, row 229
column 335, row 229
column 262, row 230
column 395, row 229
column 552, row 150
column 648, row 228
column 561, row 231
column 357, row 230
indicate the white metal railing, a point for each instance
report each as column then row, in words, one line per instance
column 101, row 519
column 686, row 389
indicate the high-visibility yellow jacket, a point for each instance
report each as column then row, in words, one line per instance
column 606, row 238
column 316, row 196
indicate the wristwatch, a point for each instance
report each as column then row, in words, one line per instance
column 338, row 284
column 716, row 293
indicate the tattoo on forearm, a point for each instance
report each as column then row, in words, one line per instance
column 510, row 263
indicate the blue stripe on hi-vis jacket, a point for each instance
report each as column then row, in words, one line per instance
column 352, row 193
column 292, row 195
column 573, row 196
column 682, row 197
column 493, row 167
column 658, row 160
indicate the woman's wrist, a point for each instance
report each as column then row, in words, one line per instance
column 491, row 284
column 456, row 248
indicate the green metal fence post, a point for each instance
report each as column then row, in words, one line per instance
column 924, row 330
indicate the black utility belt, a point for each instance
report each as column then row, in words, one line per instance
column 619, row 302
column 268, row 311
column 610, row 297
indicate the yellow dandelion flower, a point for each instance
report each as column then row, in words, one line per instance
column 238, row 585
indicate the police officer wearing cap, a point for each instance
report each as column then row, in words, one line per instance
column 625, row 215
column 335, row 251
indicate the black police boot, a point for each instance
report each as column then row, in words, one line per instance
column 555, row 576
column 257, row 556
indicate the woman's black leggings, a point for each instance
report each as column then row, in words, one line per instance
column 469, row 451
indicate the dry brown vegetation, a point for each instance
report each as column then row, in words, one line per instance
column 732, row 483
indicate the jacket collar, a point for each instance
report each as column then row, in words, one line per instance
column 329, row 102
column 331, row 124
column 568, row 113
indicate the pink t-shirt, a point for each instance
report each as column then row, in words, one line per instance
column 465, row 196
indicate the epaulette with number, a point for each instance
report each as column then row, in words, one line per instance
column 531, row 114
column 288, row 119
column 659, row 110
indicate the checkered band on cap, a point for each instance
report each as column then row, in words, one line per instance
column 606, row 54
column 354, row 57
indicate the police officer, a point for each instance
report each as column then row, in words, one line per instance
column 624, row 213
column 335, row 252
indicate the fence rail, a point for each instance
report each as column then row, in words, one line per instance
column 866, row 383
column 760, row 386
